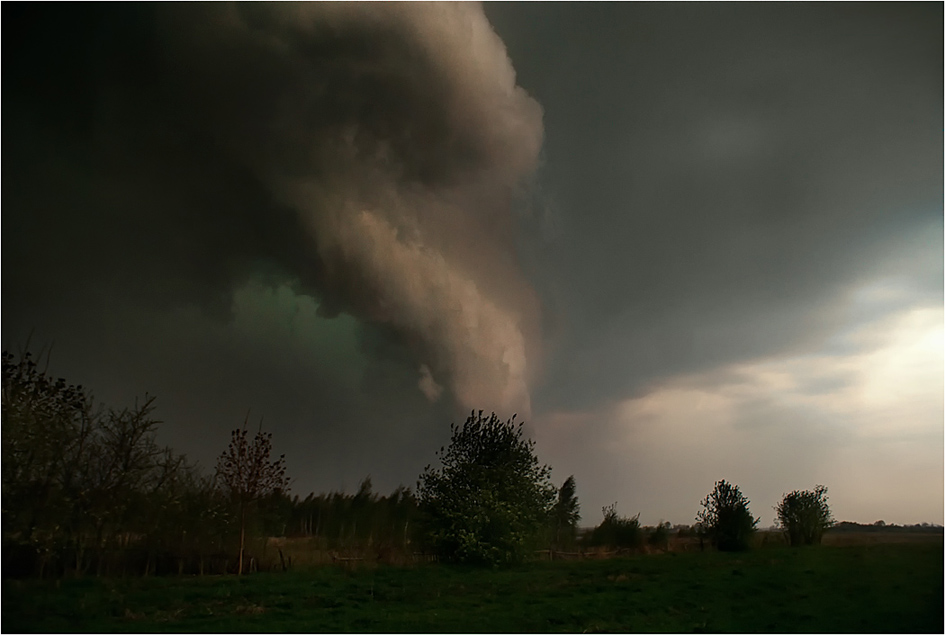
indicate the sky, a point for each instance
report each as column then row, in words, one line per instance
column 682, row 242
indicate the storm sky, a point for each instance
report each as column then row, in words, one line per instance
column 684, row 242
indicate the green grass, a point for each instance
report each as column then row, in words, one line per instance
column 879, row 588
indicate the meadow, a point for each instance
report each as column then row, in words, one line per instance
column 877, row 587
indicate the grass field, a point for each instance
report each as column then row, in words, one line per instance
column 867, row 588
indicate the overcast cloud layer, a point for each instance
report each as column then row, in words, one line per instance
column 686, row 242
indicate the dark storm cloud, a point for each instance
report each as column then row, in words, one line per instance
column 347, row 218
column 736, row 173
column 367, row 153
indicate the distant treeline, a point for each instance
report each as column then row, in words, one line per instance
column 880, row 526
column 341, row 521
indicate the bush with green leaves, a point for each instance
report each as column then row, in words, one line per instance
column 490, row 499
column 615, row 531
column 804, row 515
column 725, row 518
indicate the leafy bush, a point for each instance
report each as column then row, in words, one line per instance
column 725, row 518
column 490, row 500
column 617, row 532
column 804, row 515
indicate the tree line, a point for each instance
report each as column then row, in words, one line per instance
column 87, row 490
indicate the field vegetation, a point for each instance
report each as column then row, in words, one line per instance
column 866, row 588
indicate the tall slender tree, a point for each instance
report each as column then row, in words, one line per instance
column 565, row 513
column 248, row 473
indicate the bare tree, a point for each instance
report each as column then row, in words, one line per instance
column 249, row 474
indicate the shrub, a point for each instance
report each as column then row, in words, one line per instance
column 615, row 531
column 725, row 518
column 490, row 500
column 804, row 515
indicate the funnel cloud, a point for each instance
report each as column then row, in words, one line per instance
column 385, row 145
column 683, row 241
column 398, row 135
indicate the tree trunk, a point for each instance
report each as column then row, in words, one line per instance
column 78, row 556
column 242, row 536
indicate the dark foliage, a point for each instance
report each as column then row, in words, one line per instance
column 725, row 518
column 615, row 531
column 919, row 528
column 89, row 490
column 360, row 522
column 804, row 515
column 659, row 537
column 489, row 502
column 565, row 515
